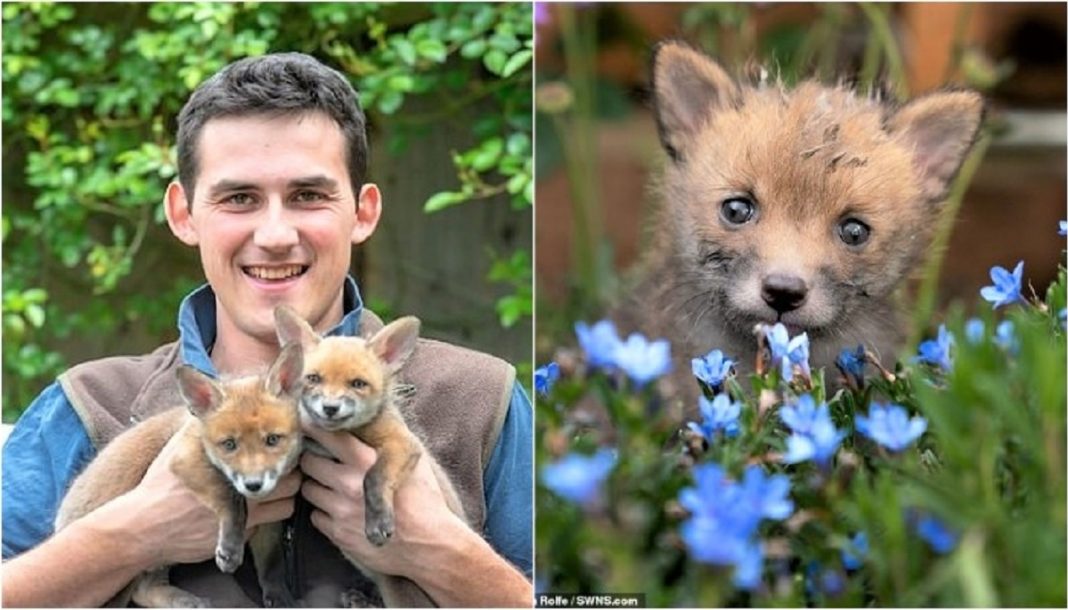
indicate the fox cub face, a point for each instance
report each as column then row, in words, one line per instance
column 799, row 205
column 347, row 380
column 249, row 427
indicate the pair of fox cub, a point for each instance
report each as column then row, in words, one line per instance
column 240, row 436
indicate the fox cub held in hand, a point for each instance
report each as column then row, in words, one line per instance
column 237, row 439
column 806, row 206
column 351, row 384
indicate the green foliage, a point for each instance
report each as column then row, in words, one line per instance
column 991, row 467
column 90, row 96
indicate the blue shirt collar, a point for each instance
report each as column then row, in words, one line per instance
column 197, row 330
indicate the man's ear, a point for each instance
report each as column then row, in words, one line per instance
column 368, row 211
column 176, row 207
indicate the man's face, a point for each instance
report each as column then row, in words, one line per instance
column 274, row 217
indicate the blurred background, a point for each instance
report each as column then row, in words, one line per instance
column 597, row 145
column 90, row 96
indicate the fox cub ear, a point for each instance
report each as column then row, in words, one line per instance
column 286, row 372
column 292, row 328
column 939, row 129
column 689, row 88
column 396, row 342
column 200, row 392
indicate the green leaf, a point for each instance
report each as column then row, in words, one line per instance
column 405, row 50
column 516, row 62
column 440, row 201
column 494, row 61
column 473, row 49
column 487, row 154
column 390, row 102
column 35, row 315
column 432, row 49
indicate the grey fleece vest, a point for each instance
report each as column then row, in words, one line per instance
column 458, row 408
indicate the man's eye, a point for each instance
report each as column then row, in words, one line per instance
column 308, row 196
column 240, row 199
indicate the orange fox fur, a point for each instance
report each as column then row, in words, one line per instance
column 236, row 440
column 760, row 184
column 350, row 384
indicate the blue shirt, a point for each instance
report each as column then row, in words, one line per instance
column 49, row 446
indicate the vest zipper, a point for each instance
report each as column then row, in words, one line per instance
column 289, row 558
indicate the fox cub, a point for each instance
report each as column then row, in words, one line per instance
column 238, row 438
column 351, row 384
column 806, row 206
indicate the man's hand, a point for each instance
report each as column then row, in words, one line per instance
column 431, row 546
column 176, row 527
column 336, row 490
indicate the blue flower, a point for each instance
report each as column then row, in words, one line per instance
column 890, row 426
column 936, row 351
column 766, row 497
column 1063, row 316
column 853, row 557
column 720, row 413
column 643, row 360
column 802, row 416
column 787, row 352
column 1006, row 288
column 974, row 330
column 599, row 342
column 936, row 534
column 578, row 477
column 828, row 581
column 814, row 435
column 1005, row 336
column 724, row 515
column 712, row 369
column 1063, row 228
column 852, row 363
column 545, row 377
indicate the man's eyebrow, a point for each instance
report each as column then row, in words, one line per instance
column 323, row 182
column 229, row 186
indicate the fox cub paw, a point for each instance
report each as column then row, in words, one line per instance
column 229, row 559
column 379, row 527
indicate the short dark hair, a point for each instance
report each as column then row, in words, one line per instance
column 279, row 84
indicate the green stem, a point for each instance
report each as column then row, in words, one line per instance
column 580, row 142
column 925, row 298
column 880, row 25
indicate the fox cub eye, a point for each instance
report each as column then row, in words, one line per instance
column 272, row 439
column 313, row 378
column 229, row 444
column 853, row 232
column 358, row 384
column 737, row 210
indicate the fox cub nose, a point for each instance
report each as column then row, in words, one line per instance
column 330, row 410
column 253, row 486
column 784, row 293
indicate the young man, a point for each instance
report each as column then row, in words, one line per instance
column 272, row 157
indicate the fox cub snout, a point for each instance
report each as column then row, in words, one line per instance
column 351, row 384
column 806, row 206
column 236, row 440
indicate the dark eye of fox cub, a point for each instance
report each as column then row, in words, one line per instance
column 853, row 232
column 738, row 210
column 313, row 378
column 358, row 384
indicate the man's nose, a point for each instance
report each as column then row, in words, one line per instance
column 277, row 229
